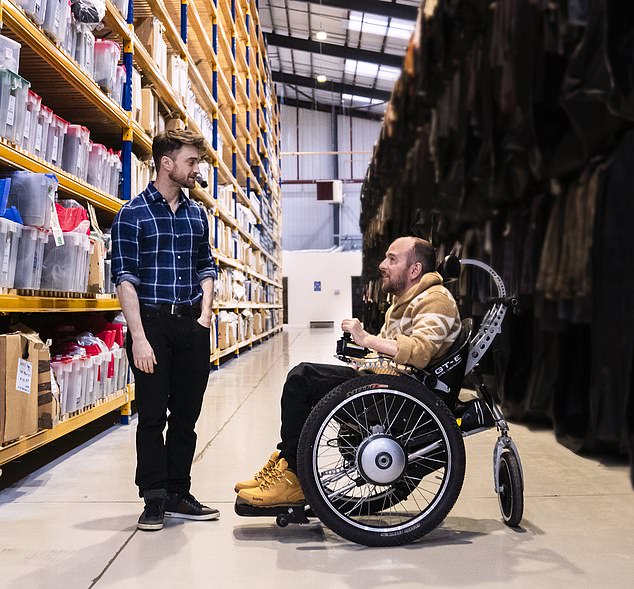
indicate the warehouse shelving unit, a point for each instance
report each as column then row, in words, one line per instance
column 224, row 47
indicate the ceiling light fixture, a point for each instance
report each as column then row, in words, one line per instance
column 321, row 35
column 321, row 78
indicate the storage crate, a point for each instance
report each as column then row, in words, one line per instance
column 36, row 9
column 28, row 273
column 55, row 142
column 65, row 267
column 33, row 195
column 40, row 134
column 9, row 54
column 97, row 161
column 10, row 233
column 56, row 19
column 14, row 92
column 76, row 146
column 107, row 55
column 33, row 105
column 85, row 49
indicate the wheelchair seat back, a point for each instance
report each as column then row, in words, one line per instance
column 445, row 376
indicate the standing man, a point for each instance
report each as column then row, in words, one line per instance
column 164, row 273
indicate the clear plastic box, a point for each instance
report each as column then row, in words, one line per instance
column 65, row 267
column 85, row 49
column 39, row 135
column 32, row 194
column 123, row 6
column 76, row 146
column 28, row 272
column 107, row 55
column 9, row 243
column 117, row 93
column 55, row 142
column 14, row 92
column 36, row 9
column 115, row 173
column 97, row 160
column 56, row 19
column 33, row 105
column 62, row 368
column 10, row 54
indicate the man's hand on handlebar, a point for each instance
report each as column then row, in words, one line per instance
column 355, row 328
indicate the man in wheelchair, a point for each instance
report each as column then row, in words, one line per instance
column 420, row 326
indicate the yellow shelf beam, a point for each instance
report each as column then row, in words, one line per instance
column 216, row 356
column 29, row 443
column 14, row 303
column 18, row 158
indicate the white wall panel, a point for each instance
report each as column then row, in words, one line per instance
column 307, row 222
column 315, row 134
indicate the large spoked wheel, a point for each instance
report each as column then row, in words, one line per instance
column 381, row 460
column 511, row 491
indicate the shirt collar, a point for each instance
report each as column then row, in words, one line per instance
column 153, row 195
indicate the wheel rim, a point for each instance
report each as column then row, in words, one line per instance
column 506, row 490
column 365, row 500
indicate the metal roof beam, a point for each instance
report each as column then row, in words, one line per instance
column 340, row 110
column 395, row 61
column 401, row 11
column 336, row 87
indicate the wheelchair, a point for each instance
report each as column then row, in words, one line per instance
column 381, row 458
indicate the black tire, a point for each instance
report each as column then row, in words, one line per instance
column 404, row 415
column 511, row 493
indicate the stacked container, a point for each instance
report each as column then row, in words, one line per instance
column 56, row 19
column 14, row 91
column 36, row 9
column 85, row 49
column 107, row 55
column 117, row 93
column 33, row 195
column 28, row 272
column 97, row 161
column 9, row 242
column 33, row 105
column 9, row 54
column 65, row 267
column 55, row 142
column 76, row 148
column 40, row 134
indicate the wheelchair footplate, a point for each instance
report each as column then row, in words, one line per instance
column 283, row 514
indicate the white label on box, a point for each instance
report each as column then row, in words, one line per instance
column 23, row 378
column 55, row 145
column 38, row 7
column 38, row 138
column 27, row 125
column 58, row 236
column 11, row 111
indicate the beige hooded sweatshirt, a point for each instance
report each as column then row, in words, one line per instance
column 424, row 321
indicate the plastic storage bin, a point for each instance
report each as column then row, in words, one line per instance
column 33, row 194
column 9, row 54
column 107, row 55
column 115, row 173
column 56, row 19
column 97, row 160
column 76, row 146
column 65, row 267
column 9, row 242
column 123, row 6
column 14, row 92
column 39, row 135
column 117, row 93
column 85, row 49
column 33, row 105
column 55, row 142
column 36, row 9
column 28, row 272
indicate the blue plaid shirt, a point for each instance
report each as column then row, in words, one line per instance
column 164, row 255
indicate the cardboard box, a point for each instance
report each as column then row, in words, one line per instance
column 96, row 268
column 257, row 323
column 226, row 334
column 149, row 111
column 150, row 33
column 18, row 386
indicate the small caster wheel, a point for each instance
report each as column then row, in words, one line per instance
column 281, row 521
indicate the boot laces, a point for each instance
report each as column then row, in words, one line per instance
column 273, row 476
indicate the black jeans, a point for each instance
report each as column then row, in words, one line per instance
column 305, row 385
column 182, row 349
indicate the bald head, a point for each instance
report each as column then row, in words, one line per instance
column 406, row 260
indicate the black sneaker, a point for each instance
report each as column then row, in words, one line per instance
column 152, row 517
column 185, row 506
column 476, row 417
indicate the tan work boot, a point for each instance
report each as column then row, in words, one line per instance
column 259, row 476
column 279, row 487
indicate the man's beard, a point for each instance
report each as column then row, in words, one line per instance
column 182, row 180
column 394, row 286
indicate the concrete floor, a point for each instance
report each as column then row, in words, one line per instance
column 72, row 523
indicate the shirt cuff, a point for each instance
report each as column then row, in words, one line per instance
column 208, row 273
column 127, row 277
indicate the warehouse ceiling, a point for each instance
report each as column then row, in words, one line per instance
column 341, row 54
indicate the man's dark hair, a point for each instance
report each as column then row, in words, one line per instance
column 168, row 142
column 422, row 251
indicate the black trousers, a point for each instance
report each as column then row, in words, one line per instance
column 305, row 385
column 182, row 349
